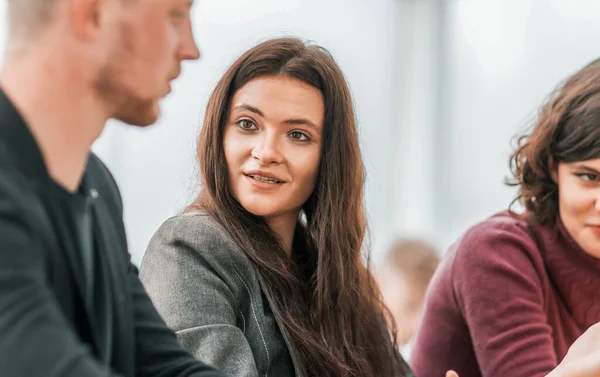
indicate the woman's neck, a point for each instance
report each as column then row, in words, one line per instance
column 284, row 227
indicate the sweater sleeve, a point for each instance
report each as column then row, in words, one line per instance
column 485, row 309
column 496, row 277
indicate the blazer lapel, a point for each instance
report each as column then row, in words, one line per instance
column 292, row 350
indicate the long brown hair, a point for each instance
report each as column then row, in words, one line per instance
column 567, row 130
column 324, row 297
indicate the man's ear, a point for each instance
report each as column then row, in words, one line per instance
column 85, row 17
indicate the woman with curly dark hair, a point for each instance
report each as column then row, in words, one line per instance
column 516, row 290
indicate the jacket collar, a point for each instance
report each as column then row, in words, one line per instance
column 19, row 141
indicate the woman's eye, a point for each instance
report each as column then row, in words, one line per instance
column 588, row 177
column 245, row 124
column 297, row 135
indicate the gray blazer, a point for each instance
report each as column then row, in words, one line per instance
column 208, row 291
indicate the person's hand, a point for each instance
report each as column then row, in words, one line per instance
column 583, row 357
column 451, row 373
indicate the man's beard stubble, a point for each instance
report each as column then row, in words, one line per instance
column 111, row 85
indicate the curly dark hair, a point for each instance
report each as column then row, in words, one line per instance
column 567, row 130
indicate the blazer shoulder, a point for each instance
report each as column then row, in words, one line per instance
column 200, row 233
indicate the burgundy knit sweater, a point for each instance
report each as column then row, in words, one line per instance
column 508, row 300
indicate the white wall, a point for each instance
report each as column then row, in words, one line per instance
column 504, row 57
column 413, row 188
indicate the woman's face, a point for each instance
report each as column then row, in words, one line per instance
column 272, row 142
column 579, row 202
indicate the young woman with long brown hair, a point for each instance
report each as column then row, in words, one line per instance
column 264, row 274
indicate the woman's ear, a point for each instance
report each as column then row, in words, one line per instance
column 553, row 170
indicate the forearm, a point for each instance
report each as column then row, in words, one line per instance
column 36, row 339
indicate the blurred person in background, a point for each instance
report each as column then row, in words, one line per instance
column 516, row 290
column 274, row 242
column 403, row 278
column 71, row 303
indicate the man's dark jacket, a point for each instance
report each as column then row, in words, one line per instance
column 56, row 320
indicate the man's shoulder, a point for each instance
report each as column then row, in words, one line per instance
column 21, row 203
column 16, row 190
